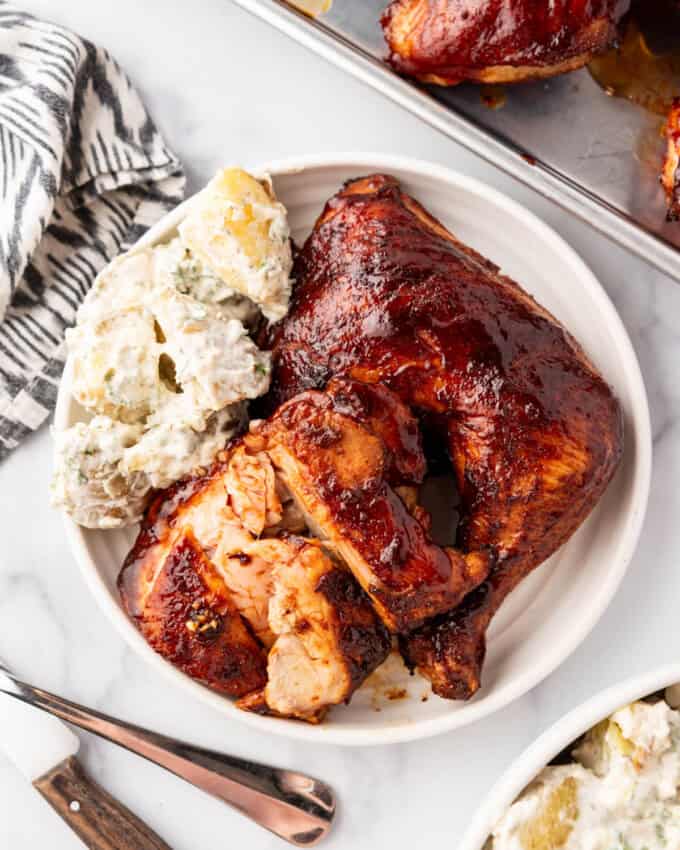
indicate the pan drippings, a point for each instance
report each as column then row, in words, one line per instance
column 645, row 66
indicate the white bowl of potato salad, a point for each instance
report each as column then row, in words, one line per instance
column 605, row 777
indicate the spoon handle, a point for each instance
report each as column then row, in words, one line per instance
column 295, row 807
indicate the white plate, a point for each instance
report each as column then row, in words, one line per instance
column 554, row 741
column 552, row 611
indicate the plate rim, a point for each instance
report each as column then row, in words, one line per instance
column 640, row 485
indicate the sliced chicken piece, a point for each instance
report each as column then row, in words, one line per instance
column 247, row 571
column 670, row 176
column 339, row 471
column 202, row 505
column 325, row 635
column 329, row 639
column 251, row 487
column 186, row 614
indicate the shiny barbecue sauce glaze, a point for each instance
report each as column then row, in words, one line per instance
column 348, row 468
column 450, row 37
column 382, row 298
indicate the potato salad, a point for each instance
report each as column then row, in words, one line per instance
column 161, row 356
column 622, row 792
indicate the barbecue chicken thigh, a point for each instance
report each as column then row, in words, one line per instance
column 386, row 295
column 221, row 584
column 497, row 41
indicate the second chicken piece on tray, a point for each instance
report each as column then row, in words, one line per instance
column 497, row 41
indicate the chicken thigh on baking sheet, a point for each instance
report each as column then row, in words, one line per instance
column 497, row 41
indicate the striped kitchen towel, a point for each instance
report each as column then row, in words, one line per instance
column 83, row 173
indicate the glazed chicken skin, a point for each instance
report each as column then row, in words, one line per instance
column 670, row 176
column 497, row 41
column 220, row 584
column 342, row 475
column 386, row 295
column 207, row 504
column 188, row 616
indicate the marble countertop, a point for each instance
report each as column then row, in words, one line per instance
column 226, row 88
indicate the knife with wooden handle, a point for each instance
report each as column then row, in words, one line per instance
column 295, row 806
column 44, row 749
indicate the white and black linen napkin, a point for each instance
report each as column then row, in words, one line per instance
column 83, row 173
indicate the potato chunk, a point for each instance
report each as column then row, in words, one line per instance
column 240, row 231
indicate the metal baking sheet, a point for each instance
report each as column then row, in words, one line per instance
column 596, row 156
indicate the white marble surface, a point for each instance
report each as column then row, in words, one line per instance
column 226, row 88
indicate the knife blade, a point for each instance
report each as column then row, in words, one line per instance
column 34, row 741
column 295, row 806
column 44, row 749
